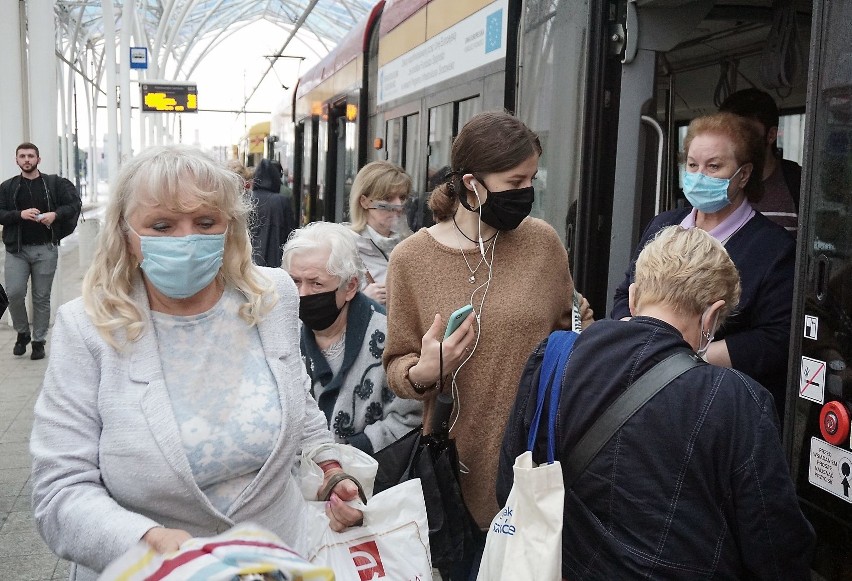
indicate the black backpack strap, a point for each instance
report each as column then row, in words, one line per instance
column 623, row 408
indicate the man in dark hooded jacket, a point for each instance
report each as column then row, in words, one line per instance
column 273, row 219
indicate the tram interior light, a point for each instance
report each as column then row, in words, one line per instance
column 351, row 112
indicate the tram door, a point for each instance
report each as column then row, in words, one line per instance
column 820, row 377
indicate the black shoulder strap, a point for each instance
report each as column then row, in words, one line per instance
column 623, row 408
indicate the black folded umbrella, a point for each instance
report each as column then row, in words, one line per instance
column 4, row 300
column 433, row 458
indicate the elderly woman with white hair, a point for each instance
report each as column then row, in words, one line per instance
column 175, row 401
column 343, row 338
column 695, row 484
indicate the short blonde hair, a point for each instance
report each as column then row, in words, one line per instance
column 181, row 179
column 344, row 262
column 688, row 270
column 379, row 181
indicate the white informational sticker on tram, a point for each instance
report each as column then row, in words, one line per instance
column 475, row 41
column 811, row 327
column 830, row 468
column 812, row 380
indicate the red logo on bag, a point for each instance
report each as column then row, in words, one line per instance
column 367, row 561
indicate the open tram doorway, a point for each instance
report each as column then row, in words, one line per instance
column 342, row 159
column 683, row 59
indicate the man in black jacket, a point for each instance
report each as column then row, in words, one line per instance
column 34, row 208
column 272, row 219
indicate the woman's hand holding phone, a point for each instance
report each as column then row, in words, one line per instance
column 456, row 349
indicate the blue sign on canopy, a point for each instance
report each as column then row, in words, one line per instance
column 138, row 57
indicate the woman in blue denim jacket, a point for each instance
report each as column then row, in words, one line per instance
column 695, row 484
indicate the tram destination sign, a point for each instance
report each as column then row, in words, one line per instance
column 169, row 97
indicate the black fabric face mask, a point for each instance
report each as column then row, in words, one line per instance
column 318, row 312
column 504, row 210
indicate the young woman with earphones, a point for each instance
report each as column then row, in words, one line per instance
column 485, row 251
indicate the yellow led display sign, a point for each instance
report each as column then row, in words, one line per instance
column 169, row 98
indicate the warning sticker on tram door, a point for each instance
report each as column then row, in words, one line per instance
column 830, row 468
column 812, row 380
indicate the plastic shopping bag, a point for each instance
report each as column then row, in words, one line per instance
column 393, row 543
column 354, row 462
column 243, row 550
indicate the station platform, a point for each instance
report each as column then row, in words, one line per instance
column 23, row 554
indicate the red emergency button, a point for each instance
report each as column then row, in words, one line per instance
column 834, row 422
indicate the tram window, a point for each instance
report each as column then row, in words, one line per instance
column 440, row 142
column 467, row 109
column 393, row 131
column 322, row 147
column 350, row 164
column 550, row 102
column 306, row 172
column 411, row 159
column 791, row 137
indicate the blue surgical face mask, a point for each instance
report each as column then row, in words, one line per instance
column 705, row 193
column 180, row 267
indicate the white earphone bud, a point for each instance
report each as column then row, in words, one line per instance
column 479, row 226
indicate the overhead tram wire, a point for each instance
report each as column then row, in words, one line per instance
column 280, row 52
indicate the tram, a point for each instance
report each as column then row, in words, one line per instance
column 609, row 86
column 254, row 146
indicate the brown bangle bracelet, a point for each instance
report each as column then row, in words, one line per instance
column 419, row 388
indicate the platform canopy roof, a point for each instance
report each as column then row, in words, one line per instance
column 179, row 32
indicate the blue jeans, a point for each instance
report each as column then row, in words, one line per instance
column 39, row 263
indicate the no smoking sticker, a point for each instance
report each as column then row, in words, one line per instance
column 812, row 380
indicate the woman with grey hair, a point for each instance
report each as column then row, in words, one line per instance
column 343, row 339
column 694, row 484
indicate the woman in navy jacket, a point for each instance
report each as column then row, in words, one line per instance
column 721, row 179
column 695, row 484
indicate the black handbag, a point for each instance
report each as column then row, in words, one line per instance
column 433, row 459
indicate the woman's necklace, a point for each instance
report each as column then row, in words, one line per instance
column 490, row 246
column 468, row 237
column 336, row 348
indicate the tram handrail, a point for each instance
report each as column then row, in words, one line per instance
column 656, row 125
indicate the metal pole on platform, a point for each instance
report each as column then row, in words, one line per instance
column 111, row 149
column 12, row 97
column 41, row 71
column 127, row 15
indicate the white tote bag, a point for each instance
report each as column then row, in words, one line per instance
column 392, row 544
column 525, row 538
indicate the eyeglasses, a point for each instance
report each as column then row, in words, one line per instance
column 386, row 207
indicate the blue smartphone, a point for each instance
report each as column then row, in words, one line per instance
column 457, row 318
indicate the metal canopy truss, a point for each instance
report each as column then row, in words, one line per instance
column 179, row 33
